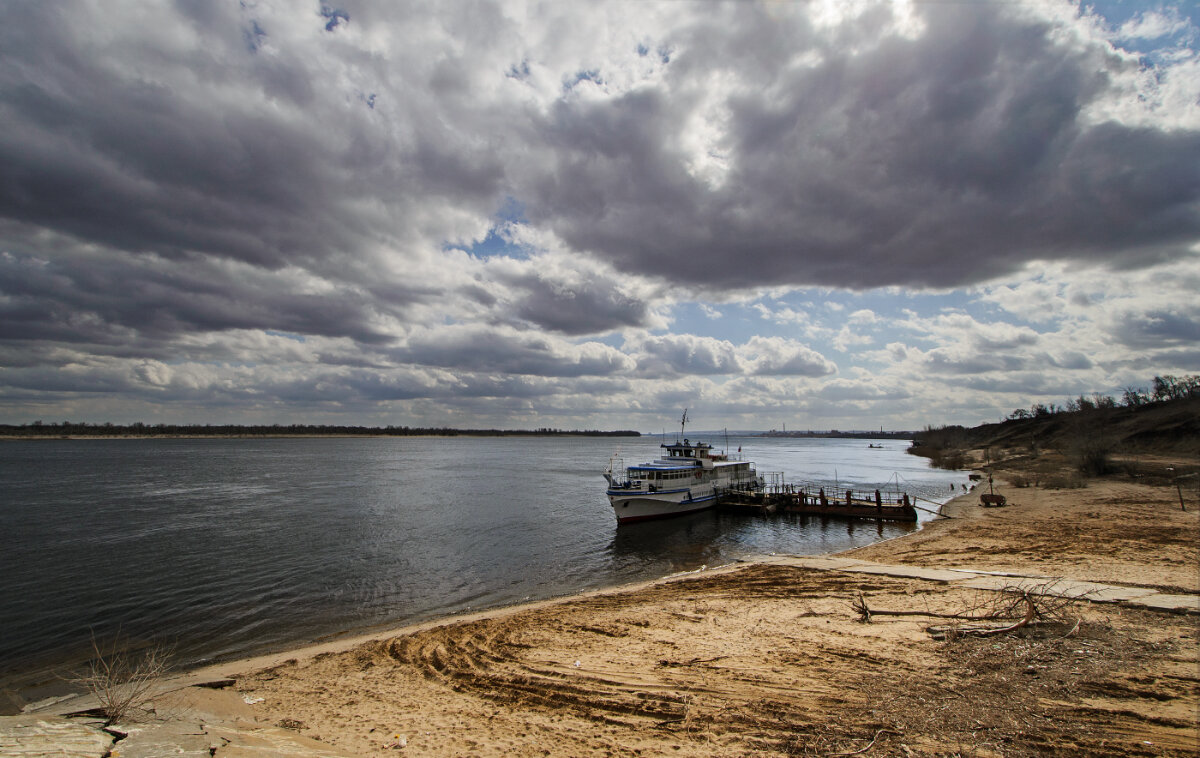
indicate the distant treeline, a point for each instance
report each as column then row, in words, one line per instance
column 1162, row 389
column 72, row 429
column 834, row 433
column 1164, row 418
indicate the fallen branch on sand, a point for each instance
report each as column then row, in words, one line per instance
column 1024, row 606
column 667, row 663
column 865, row 613
column 862, row 750
column 941, row 632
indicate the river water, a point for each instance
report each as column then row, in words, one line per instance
column 229, row 547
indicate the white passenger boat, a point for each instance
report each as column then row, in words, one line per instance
column 689, row 478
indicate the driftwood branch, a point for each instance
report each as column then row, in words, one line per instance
column 667, row 663
column 865, row 613
column 862, row 750
column 1021, row 606
column 940, row 632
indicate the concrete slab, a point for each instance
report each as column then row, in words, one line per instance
column 1177, row 603
column 154, row 743
column 820, row 562
column 38, row 736
column 908, row 572
column 218, row 723
column 224, row 740
column 999, row 580
column 246, row 741
column 1000, row 573
column 1091, row 591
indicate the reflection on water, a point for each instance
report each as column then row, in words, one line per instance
column 672, row 545
column 713, row 538
column 228, row 547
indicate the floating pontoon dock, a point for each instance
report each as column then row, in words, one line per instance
column 819, row 501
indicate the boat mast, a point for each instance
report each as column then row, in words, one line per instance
column 683, row 423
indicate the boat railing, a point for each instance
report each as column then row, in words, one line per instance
column 773, row 482
column 615, row 472
column 742, row 485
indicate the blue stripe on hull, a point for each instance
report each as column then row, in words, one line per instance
column 649, row 508
column 656, row 517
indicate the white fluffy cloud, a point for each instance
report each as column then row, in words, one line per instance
column 777, row 356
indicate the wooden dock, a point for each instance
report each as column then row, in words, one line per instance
column 819, row 502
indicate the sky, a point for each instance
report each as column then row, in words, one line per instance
column 807, row 215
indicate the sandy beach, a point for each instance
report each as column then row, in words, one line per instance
column 770, row 658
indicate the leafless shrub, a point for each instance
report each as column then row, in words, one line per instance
column 123, row 680
column 1092, row 459
column 948, row 458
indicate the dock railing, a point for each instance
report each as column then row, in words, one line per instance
column 777, row 496
column 821, row 494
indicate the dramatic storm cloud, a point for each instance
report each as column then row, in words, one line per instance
column 524, row 215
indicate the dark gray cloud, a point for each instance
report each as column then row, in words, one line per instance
column 940, row 159
column 948, row 362
column 1159, row 327
column 482, row 350
column 936, row 161
column 1187, row 359
column 586, row 305
column 249, row 206
column 153, row 140
column 123, row 303
column 1072, row 360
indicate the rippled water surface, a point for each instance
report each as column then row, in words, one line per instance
column 232, row 546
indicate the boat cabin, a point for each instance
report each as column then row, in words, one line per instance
column 686, row 449
column 685, row 464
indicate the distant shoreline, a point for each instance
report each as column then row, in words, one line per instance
column 64, row 437
column 836, row 435
column 87, row 432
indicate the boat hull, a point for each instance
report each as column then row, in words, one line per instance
column 630, row 507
